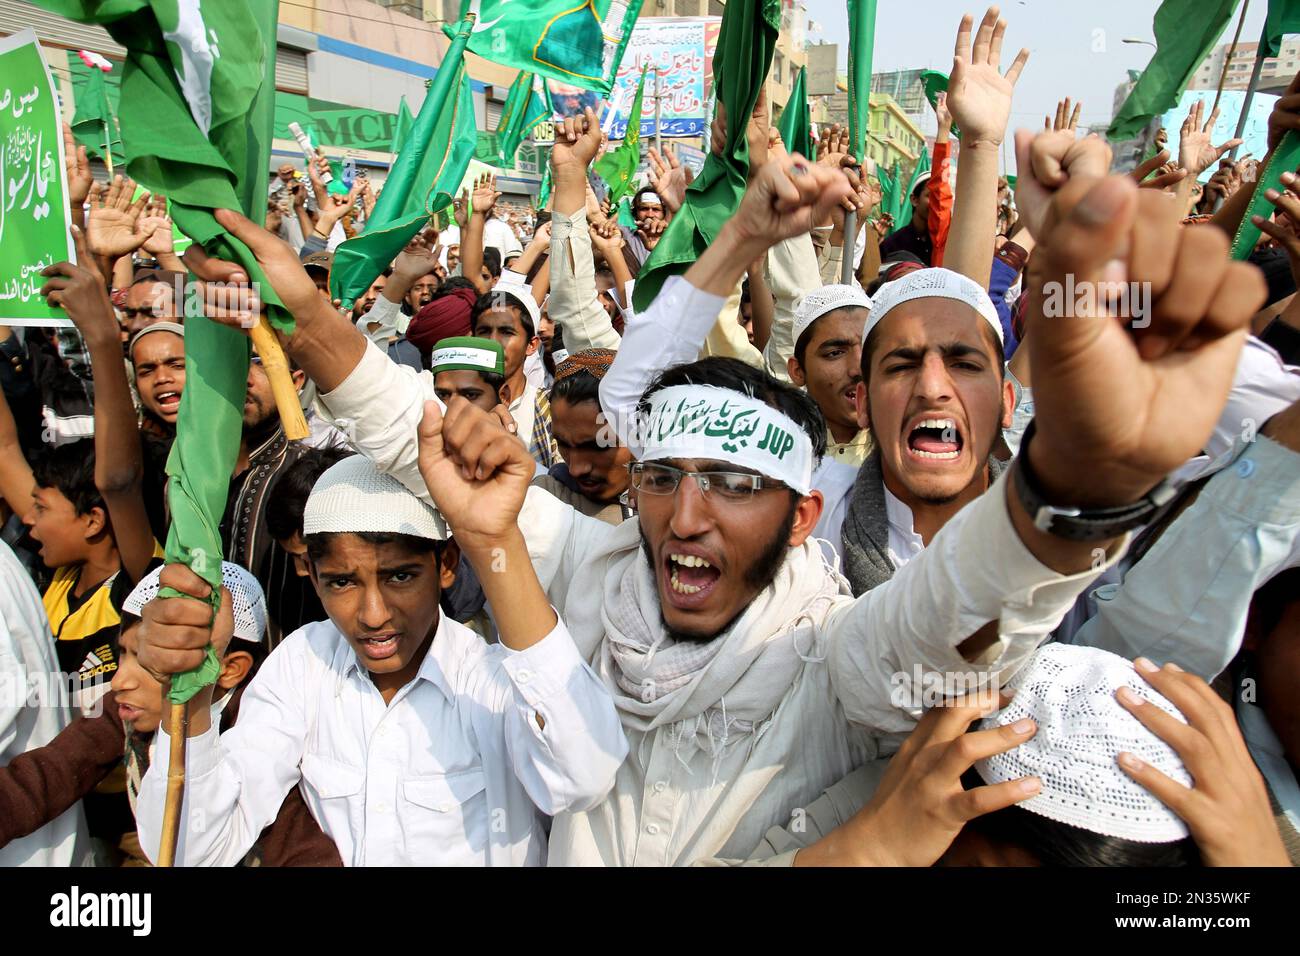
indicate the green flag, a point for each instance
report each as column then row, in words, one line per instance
column 1283, row 17
column 936, row 83
column 402, row 128
column 544, row 190
column 888, row 190
column 796, row 122
column 198, row 89
column 94, row 126
column 581, row 44
column 862, row 38
column 422, row 180
column 527, row 104
column 922, row 166
column 1185, row 30
column 746, row 42
column 618, row 166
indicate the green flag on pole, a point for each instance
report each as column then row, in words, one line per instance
column 936, row 83
column 402, row 128
column 198, row 89
column 1185, row 31
column 905, row 205
column 544, row 190
column 572, row 42
column 795, row 124
column 1283, row 17
column 746, row 42
column 618, row 166
column 422, row 180
column 527, row 104
column 94, row 126
column 862, row 39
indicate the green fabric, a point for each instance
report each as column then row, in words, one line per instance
column 862, row 38
column 1185, row 31
column 746, row 42
column 936, row 83
column 1283, row 17
column 618, row 166
column 905, row 205
column 527, row 104
column 544, row 191
column 422, row 180
column 888, row 191
column 224, row 166
column 453, row 355
column 795, row 124
column 94, row 126
column 402, row 129
column 1285, row 157
column 625, row 216
column 561, row 39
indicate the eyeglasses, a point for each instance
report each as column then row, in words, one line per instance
column 651, row 478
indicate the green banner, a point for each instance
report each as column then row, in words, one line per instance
column 34, row 218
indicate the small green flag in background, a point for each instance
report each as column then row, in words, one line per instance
column 544, row 191
column 618, row 166
column 422, row 180
column 1283, row 17
column 402, row 128
column 936, row 83
column 746, row 42
column 795, row 124
column 566, row 40
column 94, row 126
column 527, row 104
column 1185, row 31
column 198, row 89
column 862, row 39
column 905, row 207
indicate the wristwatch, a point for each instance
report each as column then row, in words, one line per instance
column 1082, row 524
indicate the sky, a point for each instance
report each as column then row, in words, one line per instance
column 1074, row 47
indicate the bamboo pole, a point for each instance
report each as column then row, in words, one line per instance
column 178, row 726
column 282, row 387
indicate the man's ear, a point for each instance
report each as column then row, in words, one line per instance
column 235, row 666
column 299, row 379
column 806, row 515
column 796, row 371
column 1008, row 402
column 861, row 405
column 532, row 345
column 447, row 564
column 96, row 521
column 503, row 393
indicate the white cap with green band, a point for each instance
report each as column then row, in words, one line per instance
column 717, row 424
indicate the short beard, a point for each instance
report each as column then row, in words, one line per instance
column 758, row 576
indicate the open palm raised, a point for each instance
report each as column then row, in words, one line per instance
column 979, row 95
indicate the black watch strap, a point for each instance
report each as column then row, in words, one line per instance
column 1080, row 524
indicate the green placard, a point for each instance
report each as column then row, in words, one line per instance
column 34, row 219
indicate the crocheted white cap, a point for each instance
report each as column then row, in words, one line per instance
column 354, row 495
column 933, row 283
column 246, row 599
column 1069, row 691
column 513, row 286
column 813, row 305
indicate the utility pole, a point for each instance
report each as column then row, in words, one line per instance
column 659, row 140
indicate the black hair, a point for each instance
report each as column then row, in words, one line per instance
column 916, row 190
column 1060, row 844
column 497, row 299
column 493, row 380
column 636, row 200
column 288, row 496
column 70, row 469
column 734, row 374
column 579, row 387
column 492, row 259
column 873, row 339
column 452, row 283
column 318, row 544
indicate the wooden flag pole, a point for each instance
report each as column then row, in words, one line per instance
column 178, row 726
column 281, row 378
column 1227, row 59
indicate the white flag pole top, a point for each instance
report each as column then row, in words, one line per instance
column 703, row 422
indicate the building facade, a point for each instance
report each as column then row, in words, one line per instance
column 1276, row 73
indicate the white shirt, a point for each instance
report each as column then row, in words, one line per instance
column 498, row 234
column 32, row 710
column 454, row 771
column 904, row 543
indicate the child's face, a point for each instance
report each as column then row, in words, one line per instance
column 54, row 523
column 139, row 696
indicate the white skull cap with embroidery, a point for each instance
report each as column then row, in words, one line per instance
column 354, row 495
column 813, row 305
column 931, row 284
column 246, row 599
column 1069, row 691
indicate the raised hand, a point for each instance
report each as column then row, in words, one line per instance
column 943, row 115
column 669, row 177
column 175, row 632
column 1196, row 152
column 485, row 195
column 1164, row 178
column 417, row 259
column 577, row 143
column 460, row 208
column 651, row 232
column 78, row 167
column 113, row 226
column 1065, row 120
column 607, row 238
column 1047, row 160
column 1132, row 387
column 1286, row 233
column 787, row 199
column 155, row 220
column 979, row 95
column 1227, row 809
column 78, row 288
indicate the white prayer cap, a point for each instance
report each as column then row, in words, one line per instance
column 1069, row 691
column 813, row 305
column 512, row 284
column 933, row 283
column 922, row 178
column 245, row 597
column 354, row 496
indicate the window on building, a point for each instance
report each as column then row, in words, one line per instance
column 778, row 67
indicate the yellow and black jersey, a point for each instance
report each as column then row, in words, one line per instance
column 85, row 628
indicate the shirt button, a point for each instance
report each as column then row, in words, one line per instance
column 523, row 676
column 1245, row 468
column 652, row 829
column 660, row 787
column 381, row 808
column 444, row 808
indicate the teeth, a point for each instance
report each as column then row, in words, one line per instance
column 682, row 588
column 689, row 561
column 936, row 423
column 939, row 455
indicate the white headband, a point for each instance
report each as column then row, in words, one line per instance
column 935, row 283
column 485, row 359
column 649, row 198
column 718, row 424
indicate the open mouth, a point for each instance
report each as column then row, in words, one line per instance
column 690, row 578
column 380, row 647
column 168, row 401
column 127, row 713
column 935, row 439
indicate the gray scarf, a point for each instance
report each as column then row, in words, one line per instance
column 865, row 536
